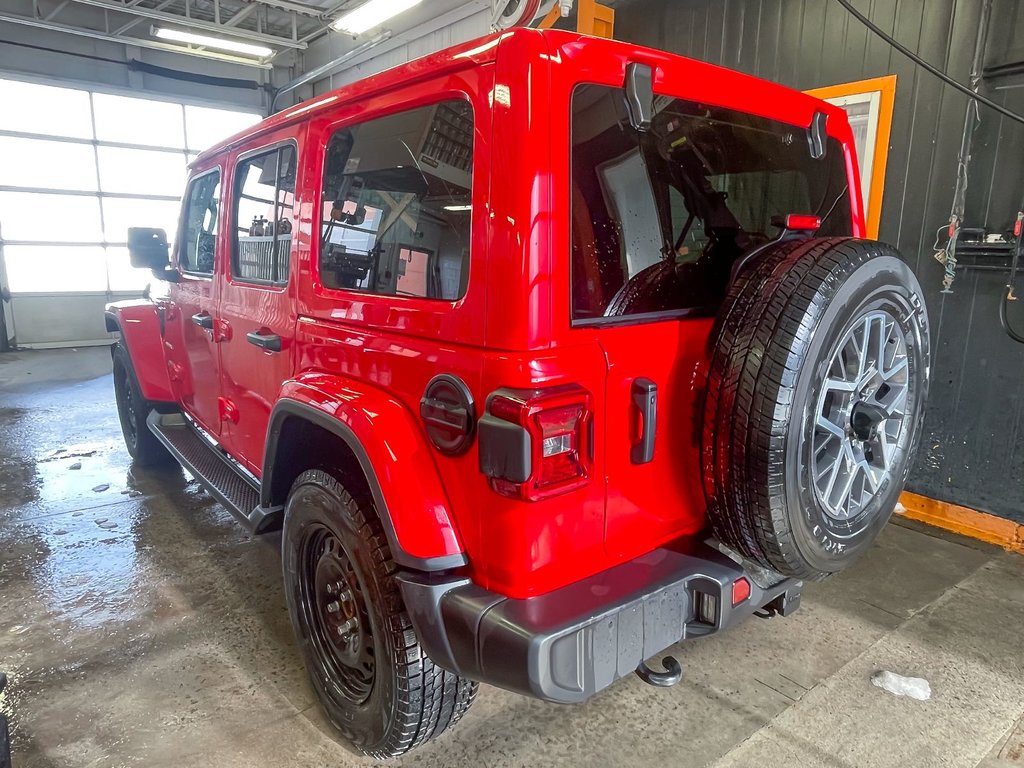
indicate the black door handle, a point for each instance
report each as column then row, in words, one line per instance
column 268, row 341
column 204, row 320
column 645, row 397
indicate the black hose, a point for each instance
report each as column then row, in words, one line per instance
column 1004, row 321
column 930, row 67
column 1010, row 285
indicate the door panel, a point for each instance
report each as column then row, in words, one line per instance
column 189, row 331
column 193, row 350
column 662, row 498
column 251, row 375
column 257, row 308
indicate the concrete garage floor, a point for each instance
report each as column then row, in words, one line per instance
column 140, row 625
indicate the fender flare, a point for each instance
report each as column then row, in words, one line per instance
column 442, row 548
column 141, row 329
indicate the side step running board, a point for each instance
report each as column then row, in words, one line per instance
column 219, row 474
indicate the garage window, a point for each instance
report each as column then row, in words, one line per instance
column 79, row 168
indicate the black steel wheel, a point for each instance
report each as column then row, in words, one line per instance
column 132, row 411
column 335, row 614
column 369, row 671
column 814, row 404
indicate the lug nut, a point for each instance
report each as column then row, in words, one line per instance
column 347, row 627
column 333, row 607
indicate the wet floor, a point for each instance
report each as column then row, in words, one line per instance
column 141, row 626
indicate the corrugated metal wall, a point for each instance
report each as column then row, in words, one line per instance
column 973, row 449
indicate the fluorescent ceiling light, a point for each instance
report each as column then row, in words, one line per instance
column 372, row 14
column 219, row 43
column 458, row 208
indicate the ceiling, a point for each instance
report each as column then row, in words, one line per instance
column 281, row 25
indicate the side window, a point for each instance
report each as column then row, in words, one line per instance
column 264, row 203
column 199, row 234
column 396, row 206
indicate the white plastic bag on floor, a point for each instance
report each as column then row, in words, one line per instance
column 914, row 687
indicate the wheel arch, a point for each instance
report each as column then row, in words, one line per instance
column 305, row 427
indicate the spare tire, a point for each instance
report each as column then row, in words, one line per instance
column 814, row 402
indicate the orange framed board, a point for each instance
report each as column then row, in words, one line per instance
column 870, row 106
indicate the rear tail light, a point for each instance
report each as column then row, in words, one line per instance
column 535, row 443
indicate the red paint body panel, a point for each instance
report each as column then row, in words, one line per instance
column 139, row 322
column 401, row 458
column 365, row 359
column 250, row 377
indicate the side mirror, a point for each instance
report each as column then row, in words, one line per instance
column 148, row 249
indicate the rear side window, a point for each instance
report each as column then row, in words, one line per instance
column 264, row 203
column 396, row 206
column 199, row 229
column 659, row 218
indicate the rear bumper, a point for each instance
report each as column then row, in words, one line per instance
column 568, row 644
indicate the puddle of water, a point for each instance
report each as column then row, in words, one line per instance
column 91, row 574
column 103, row 469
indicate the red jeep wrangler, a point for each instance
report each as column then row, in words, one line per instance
column 547, row 352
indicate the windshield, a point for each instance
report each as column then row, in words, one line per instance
column 660, row 217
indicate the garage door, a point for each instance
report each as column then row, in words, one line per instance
column 79, row 167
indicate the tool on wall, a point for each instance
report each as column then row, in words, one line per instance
column 972, row 118
column 1010, row 295
column 521, row 13
column 517, row 13
column 983, row 242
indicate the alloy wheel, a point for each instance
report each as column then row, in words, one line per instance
column 860, row 416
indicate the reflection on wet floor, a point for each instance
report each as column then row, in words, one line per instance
column 101, row 567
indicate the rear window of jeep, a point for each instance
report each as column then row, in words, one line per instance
column 698, row 190
column 397, row 204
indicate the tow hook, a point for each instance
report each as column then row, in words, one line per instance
column 5, row 734
column 673, row 673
